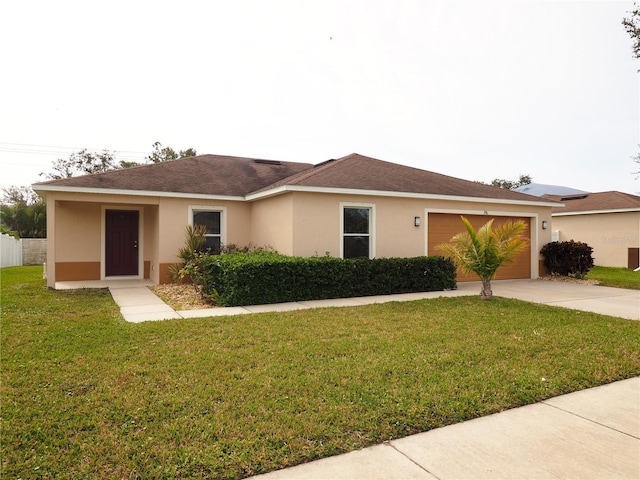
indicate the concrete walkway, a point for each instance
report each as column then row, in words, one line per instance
column 138, row 304
column 590, row 434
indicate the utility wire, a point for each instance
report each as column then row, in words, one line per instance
column 24, row 148
column 63, row 148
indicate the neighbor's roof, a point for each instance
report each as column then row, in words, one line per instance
column 218, row 175
column 612, row 201
column 540, row 189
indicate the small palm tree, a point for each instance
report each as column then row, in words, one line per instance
column 484, row 251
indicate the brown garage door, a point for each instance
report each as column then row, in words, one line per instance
column 443, row 226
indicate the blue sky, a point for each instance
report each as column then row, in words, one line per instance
column 472, row 89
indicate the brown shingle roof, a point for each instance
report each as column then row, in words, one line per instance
column 203, row 174
column 591, row 202
column 239, row 176
column 365, row 173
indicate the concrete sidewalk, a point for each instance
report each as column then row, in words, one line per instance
column 590, row 434
column 138, row 304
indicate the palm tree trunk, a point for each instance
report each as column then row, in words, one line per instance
column 486, row 293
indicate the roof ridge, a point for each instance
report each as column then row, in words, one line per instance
column 314, row 170
column 618, row 193
column 626, row 194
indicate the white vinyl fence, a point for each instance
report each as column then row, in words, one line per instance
column 10, row 251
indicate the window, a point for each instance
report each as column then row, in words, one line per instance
column 356, row 232
column 212, row 221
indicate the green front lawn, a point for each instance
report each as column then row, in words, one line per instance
column 86, row 395
column 615, row 277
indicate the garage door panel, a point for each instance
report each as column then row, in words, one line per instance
column 443, row 226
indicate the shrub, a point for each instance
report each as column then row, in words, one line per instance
column 268, row 277
column 194, row 257
column 568, row 258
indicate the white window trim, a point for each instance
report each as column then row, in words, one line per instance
column 103, row 243
column 372, row 225
column 211, row 208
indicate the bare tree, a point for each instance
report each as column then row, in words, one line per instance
column 83, row 162
column 632, row 26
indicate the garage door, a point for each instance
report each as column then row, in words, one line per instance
column 443, row 226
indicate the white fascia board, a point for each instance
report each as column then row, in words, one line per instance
column 285, row 189
column 595, row 212
column 381, row 193
column 139, row 193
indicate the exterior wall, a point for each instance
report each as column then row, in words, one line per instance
column 272, row 223
column 75, row 225
column 316, row 225
column 294, row 223
column 317, row 229
column 174, row 218
column 611, row 235
column 77, row 234
column 151, row 243
column 50, row 270
column 34, row 251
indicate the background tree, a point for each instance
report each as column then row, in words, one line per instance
column 162, row 154
column 632, row 26
column 512, row 184
column 13, row 195
column 484, row 251
column 23, row 213
column 83, row 162
column 86, row 162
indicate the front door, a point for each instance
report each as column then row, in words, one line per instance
column 121, row 242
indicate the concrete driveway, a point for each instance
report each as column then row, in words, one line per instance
column 618, row 302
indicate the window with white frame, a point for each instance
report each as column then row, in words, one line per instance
column 357, row 240
column 212, row 221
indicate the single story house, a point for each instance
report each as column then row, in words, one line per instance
column 131, row 223
column 609, row 222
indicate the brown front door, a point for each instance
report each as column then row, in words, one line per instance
column 121, row 243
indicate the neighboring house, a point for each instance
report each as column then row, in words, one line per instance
column 540, row 189
column 609, row 222
column 131, row 223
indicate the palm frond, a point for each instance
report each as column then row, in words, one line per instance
column 483, row 251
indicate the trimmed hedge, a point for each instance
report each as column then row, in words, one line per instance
column 261, row 278
column 568, row 258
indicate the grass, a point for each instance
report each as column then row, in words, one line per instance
column 615, row 277
column 86, row 395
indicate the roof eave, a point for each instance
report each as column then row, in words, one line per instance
column 595, row 212
column 38, row 188
column 380, row 193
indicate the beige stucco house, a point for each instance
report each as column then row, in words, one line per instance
column 131, row 223
column 609, row 222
